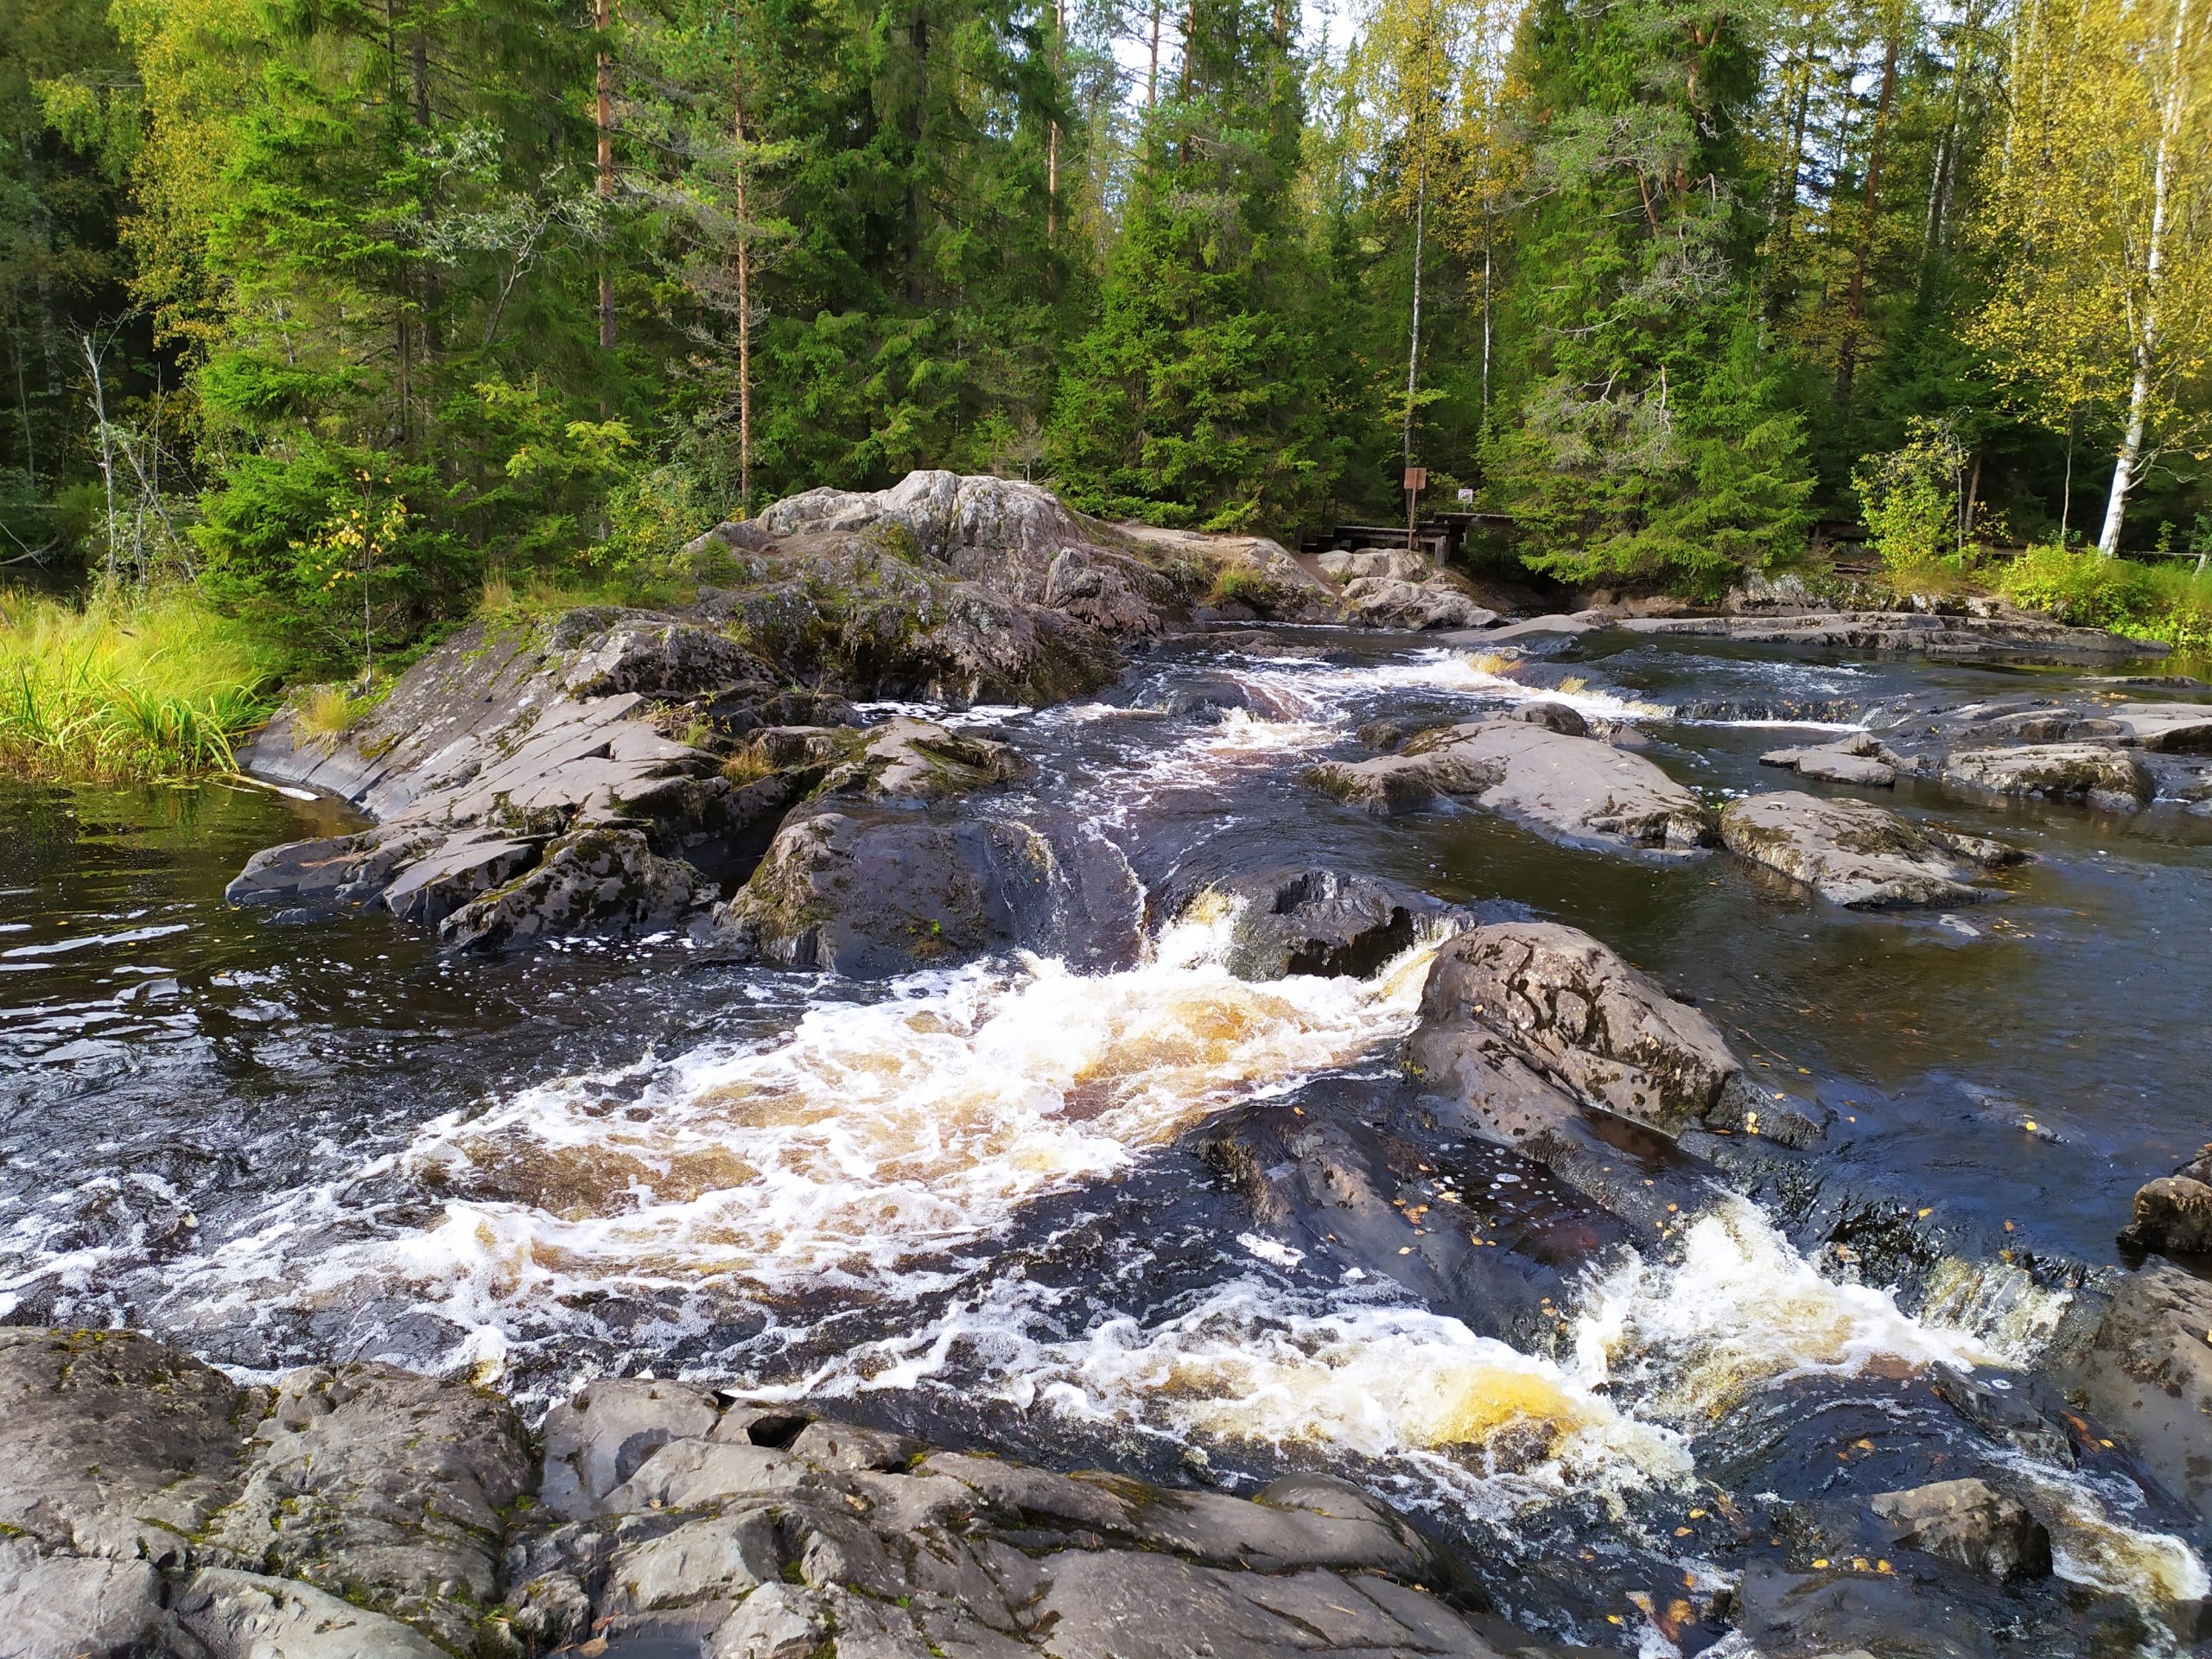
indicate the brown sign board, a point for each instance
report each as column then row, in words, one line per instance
column 1416, row 478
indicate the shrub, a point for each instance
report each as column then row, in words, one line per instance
column 2078, row 585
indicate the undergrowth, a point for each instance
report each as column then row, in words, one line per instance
column 2170, row 602
column 148, row 685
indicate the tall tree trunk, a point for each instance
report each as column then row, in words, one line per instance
column 1487, row 323
column 418, row 69
column 1413, row 336
column 2146, row 335
column 1855, row 306
column 918, row 41
column 744, row 296
column 605, row 118
column 1052, row 133
column 1151, row 75
column 1785, row 204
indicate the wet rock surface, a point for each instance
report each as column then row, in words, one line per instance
column 1852, row 852
column 2149, row 1373
column 1575, row 788
column 367, row 1511
column 2110, row 778
column 581, row 774
column 1321, row 921
column 2002, row 636
column 1971, row 1522
column 2173, row 1213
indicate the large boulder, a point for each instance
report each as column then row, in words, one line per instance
column 1575, row 788
column 2148, row 1374
column 1303, row 920
column 1521, row 1000
column 2174, row 1212
column 871, row 893
column 2166, row 728
column 1433, row 602
column 1971, row 1522
column 2105, row 777
column 1851, row 853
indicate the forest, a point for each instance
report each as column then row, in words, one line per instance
column 340, row 314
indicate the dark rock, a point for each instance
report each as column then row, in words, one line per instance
column 597, row 880
column 1536, row 1000
column 1971, row 1522
column 1553, row 717
column 1851, row 853
column 1210, row 700
column 1834, row 1613
column 1294, row 920
column 873, row 893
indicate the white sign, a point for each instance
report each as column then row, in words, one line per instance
column 1466, row 494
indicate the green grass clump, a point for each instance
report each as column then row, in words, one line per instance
column 151, row 685
column 2170, row 601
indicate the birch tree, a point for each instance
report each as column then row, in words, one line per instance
column 2099, row 219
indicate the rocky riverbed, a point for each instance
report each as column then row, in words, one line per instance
column 995, row 1083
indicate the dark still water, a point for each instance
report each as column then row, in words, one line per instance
column 972, row 1201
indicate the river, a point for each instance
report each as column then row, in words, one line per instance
column 975, row 1202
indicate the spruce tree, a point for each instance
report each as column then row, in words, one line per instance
column 1199, row 398
column 1651, row 441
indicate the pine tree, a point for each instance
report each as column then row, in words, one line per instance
column 1198, row 398
column 1649, row 440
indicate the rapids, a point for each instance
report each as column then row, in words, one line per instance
column 976, row 1203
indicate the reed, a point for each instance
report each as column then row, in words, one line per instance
column 152, row 686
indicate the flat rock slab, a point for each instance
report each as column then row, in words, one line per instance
column 2166, row 727
column 2148, row 1373
column 1860, row 759
column 2100, row 774
column 1852, row 852
column 1575, row 788
column 2013, row 638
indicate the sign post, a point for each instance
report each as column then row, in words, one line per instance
column 1416, row 481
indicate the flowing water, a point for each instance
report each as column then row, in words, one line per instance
column 976, row 1202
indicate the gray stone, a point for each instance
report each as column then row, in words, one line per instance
column 2173, row 1214
column 718, row 1557
column 2148, row 1373
column 1971, row 1522
column 247, row 1616
column 1141, row 1606
column 598, row 1440
column 1857, row 760
column 1578, row 789
column 76, row 1606
column 1434, row 602
column 1851, row 853
column 777, row 1621
column 910, row 762
column 116, row 1446
column 371, row 1480
column 2110, row 778
column 1396, row 563
column 2013, row 637
column 2166, row 727
column 1540, row 998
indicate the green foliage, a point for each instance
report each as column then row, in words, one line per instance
column 1199, row 399
column 1914, row 499
column 157, row 686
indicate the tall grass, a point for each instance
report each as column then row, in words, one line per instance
column 126, row 686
